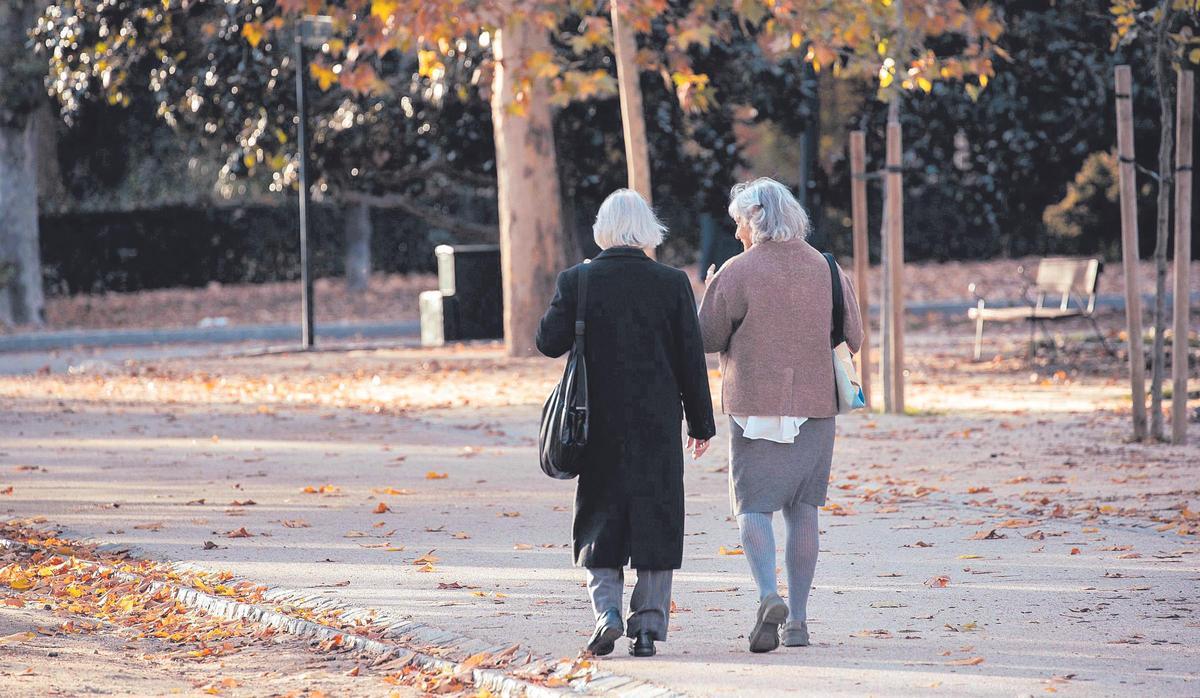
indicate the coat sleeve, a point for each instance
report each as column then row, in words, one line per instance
column 718, row 314
column 692, row 369
column 556, row 331
column 854, row 320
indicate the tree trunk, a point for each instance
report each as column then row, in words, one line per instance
column 531, row 248
column 21, row 298
column 358, row 247
column 1166, row 180
column 633, row 118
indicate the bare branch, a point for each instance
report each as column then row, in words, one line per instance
column 472, row 231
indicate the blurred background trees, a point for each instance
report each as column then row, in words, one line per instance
column 197, row 158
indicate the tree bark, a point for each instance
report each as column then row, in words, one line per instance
column 358, row 247
column 22, row 301
column 531, row 249
column 1166, row 181
column 21, row 297
column 633, row 118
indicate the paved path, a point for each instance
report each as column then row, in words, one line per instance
column 225, row 334
column 76, row 340
column 1076, row 591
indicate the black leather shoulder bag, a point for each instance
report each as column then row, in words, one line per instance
column 564, row 430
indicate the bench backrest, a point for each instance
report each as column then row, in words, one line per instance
column 1065, row 277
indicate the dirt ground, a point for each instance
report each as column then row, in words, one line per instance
column 105, row 663
column 1003, row 538
column 393, row 298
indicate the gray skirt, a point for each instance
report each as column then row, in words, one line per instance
column 766, row 476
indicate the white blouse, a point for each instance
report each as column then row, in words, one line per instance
column 781, row 430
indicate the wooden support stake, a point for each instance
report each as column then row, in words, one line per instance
column 1129, row 250
column 633, row 118
column 1183, row 254
column 895, row 243
column 862, row 253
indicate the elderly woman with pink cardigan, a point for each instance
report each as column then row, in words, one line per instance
column 768, row 311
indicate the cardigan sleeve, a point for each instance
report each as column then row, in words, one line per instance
column 854, row 321
column 556, row 331
column 718, row 317
column 692, row 369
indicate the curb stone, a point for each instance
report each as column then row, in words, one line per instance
column 400, row 631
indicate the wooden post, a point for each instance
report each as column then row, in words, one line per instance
column 633, row 118
column 885, row 310
column 895, row 244
column 862, row 253
column 1129, row 250
column 1183, row 253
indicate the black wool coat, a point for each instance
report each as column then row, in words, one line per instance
column 646, row 370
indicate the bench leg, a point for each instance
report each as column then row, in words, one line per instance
column 1103, row 341
column 1032, row 339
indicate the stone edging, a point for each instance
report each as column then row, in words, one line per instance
column 401, row 633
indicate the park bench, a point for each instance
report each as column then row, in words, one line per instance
column 1070, row 281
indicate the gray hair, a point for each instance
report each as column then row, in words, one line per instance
column 769, row 210
column 625, row 220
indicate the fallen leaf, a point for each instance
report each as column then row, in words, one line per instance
column 239, row 533
column 20, row 583
column 295, row 523
column 426, row 559
column 988, row 535
column 431, row 475
column 968, row 661
column 382, row 508
column 938, row 582
column 25, row 636
column 730, row 551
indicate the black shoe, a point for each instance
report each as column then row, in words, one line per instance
column 608, row 629
column 642, row 645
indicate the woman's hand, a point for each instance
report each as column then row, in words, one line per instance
column 697, row 447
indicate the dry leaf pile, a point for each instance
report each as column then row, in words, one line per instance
column 93, row 590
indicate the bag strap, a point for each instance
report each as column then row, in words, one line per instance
column 837, row 333
column 581, row 306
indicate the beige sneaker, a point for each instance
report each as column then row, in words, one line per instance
column 795, row 634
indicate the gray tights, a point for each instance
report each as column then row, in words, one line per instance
column 758, row 541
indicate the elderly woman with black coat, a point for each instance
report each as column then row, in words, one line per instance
column 646, row 372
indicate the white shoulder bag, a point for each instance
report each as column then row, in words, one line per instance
column 845, row 375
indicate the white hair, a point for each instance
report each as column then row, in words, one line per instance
column 769, row 210
column 625, row 220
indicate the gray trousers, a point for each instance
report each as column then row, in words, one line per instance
column 649, row 606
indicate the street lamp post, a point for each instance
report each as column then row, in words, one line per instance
column 312, row 32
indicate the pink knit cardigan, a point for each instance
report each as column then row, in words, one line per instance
column 768, row 311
